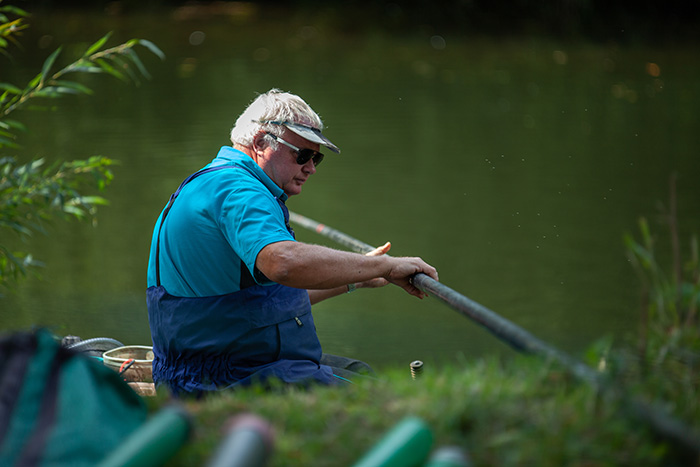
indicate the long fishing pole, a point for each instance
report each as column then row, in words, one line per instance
column 521, row 340
column 516, row 336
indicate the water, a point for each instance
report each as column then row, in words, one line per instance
column 512, row 165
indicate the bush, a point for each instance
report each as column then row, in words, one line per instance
column 32, row 192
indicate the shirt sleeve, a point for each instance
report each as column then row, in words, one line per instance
column 251, row 218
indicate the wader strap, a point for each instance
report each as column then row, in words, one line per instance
column 177, row 192
column 170, row 205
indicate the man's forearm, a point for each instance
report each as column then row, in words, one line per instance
column 306, row 266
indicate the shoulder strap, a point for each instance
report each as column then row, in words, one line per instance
column 170, row 205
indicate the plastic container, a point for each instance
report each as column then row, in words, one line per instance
column 407, row 444
column 141, row 370
column 449, row 456
column 249, row 442
column 155, row 442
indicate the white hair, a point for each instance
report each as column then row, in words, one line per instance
column 274, row 105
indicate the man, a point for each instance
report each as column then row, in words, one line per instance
column 229, row 288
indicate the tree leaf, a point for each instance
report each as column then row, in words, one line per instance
column 73, row 210
column 14, row 124
column 97, row 45
column 152, row 47
column 108, row 68
column 12, row 89
column 34, row 82
column 14, row 10
column 88, row 201
column 137, row 61
column 49, row 63
column 49, row 91
column 126, row 66
column 75, row 87
column 86, row 69
column 4, row 142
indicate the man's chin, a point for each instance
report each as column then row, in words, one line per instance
column 293, row 192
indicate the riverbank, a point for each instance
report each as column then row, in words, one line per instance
column 519, row 411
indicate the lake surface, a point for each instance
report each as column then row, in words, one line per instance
column 513, row 165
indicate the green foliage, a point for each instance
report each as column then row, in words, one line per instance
column 666, row 362
column 670, row 296
column 121, row 61
column 8, row 27
column 32, row 192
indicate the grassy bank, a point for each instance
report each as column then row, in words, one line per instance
column 520, row 412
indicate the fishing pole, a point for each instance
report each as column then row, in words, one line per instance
column 516, row 336
column 523, row 341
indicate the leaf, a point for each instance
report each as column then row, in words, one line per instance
column 75, row 211
column 49, row 91
column 14, row 124
column 139, row 65
column 34, row 82
column 11, row 26
column 88, row 200
column 118, row 60
column 49, row 63
column 75, row 87
column 86, row 69
column 4, row 142
column 12, row 89
column 15, row 10
column 108, row 68
column 20, row 228
column 152, row 47
column 97, row 45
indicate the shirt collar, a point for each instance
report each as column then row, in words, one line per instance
column 230, row 155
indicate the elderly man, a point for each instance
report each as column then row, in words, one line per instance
column 229, row 289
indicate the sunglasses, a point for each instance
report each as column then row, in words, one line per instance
column 303, row 155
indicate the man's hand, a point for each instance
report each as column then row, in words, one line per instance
column 403, row 270
column 377, row 281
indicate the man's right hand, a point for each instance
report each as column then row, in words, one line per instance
column 403, row 270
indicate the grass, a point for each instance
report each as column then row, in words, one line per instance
column 517, row 412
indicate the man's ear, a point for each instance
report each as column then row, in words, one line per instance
column 260, row 142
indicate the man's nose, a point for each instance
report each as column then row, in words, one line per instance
column 309, row 167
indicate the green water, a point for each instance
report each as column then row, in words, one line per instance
column 513, row 165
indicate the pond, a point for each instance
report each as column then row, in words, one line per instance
column 513, row 165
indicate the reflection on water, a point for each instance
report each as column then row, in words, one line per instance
column 513, row 166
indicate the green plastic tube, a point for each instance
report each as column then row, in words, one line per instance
column 407, row 444
column 449, row 456
column 154, row 442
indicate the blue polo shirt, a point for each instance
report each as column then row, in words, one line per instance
column 217, row 227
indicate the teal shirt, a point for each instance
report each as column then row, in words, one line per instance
column 217, row 227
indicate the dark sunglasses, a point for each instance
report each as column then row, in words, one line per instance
column 303, row 155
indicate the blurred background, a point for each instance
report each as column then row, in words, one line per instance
column 509, row 144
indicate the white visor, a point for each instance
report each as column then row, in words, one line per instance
column 307, row 132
